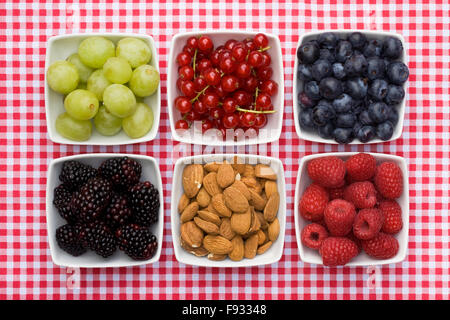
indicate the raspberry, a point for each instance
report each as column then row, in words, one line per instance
column 368, row 223
column 313, row 235
column 361, row 167
column 389, row 180
column 357, row 241
column 383, row 246
column 337, row 251
column 392, row 213
column 313, row 202
column 336, row 193
column 328, row 171
column 362, row 194
column 339, row 215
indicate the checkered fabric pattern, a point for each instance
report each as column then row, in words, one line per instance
column 26, row 268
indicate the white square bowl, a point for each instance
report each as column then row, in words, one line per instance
column 150, row 172
column 303, row 181
column 60, row 48
column 272, row 255
column 298, row 85
column 275, row 120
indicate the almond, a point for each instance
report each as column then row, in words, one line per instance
column 252, row 183
column 251, row 246
column 264, row 247
column 241, row 222
column 191, row 234
column 265, row 172
column 257, row 201
column 199, row 252
column 249, row 171
column 271, row 208
column 209, row 216
column 261, row 237
column 238, row 165
column 217, row 244
column 192, row 179
column 183, row 203
column 211, row 209
column 242, row 188
column 225, row 175
column 270, row 187
column 216, row 257
column 237, row 254
column 262, row 221
column 255, row 225
column 208, row 227
column 274, row 230
column 189, row 212
column 210, row 184
column 235, row 200
column 225, row 229
column 211, row 166
column 218, row 203
column 203, row 198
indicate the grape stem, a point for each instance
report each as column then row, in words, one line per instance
column 254, row 111
column 199, row 94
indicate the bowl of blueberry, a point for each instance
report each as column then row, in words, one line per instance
column 349, row 86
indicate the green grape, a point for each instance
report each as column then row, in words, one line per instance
column 106, row 123
column 117, row 70
column 73, row 129
column 81, row 104
column 94, row 51
column 138, row 124
column 119, row 100
column 135, row 51
column 62, row 77
column 97, row 83
column 82, row 85
column 144, row 80
column 83, row 71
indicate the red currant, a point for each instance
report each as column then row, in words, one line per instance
column 215, row 58
column 250, row 84
column 203, row 65
column 230, row 121
column 260, row 40
column 263, row 101
column 266, row 60
column 229, row 83
column 227, row 65
column 229, row 105
column 199, row 84
column 243, row 99
column 255, row 59
column 182, row 124
column 188, row 89
column 189, row 50
column 183, row 104
column 183, row 59
column 230, row 44
column 260, row 120
column 239, row 52
column 270, row 87
column 205, row 43
column 216, row 113
column 265, row 73
column 225, row 53
column 220, row 92
column 192, row 116
column 243, row 70
column 212, row 77
column 199, row 107
column 211, row 100
column 186, row 73
column 248, row 119
column 179, row 83
column 249, row 44
column 192, row 42
column 206, row 125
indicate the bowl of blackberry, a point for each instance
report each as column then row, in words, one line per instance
column 104, row 210
column 349, row 87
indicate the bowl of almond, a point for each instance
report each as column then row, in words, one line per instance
column 228, row 210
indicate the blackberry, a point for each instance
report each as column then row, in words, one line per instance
column 92, row 199
column 117, row 212
column 68, row 239
column 122, row 172
column 144, row 201
column 74, row 174
column 61, row 200
column 136, row 241
column 99, row 238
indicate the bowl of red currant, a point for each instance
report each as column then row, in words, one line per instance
column 225, row 88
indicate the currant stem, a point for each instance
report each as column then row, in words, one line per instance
column 264, row 49
column 193, row 62
column 254, row 111
column 199, row 94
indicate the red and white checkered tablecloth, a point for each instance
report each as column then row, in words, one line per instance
column 26, row 268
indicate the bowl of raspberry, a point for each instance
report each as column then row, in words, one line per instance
column 104, row 210
column 225, row 88
column 349, row 86
column 352, row 209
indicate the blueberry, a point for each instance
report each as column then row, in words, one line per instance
column 304, row 72
column 327, row 54
column 379, row 112
column 338, row 70
column 344, row 50
column 330, row 88
column 325, row 102
column 304, row 101
column 356, row 87
column 364, row 118
column 321, row 69
column 308, row 52
column 305, row 119
column 395, row 94
column 393, row 117
column 375, row 68
column 358, row 40
column 326, row 131
column 392, row 48
column 366, row 133
column 322, row 114
column 358, row 106
column 356, row 128
column 397, row 72
column 327, row 40
column 343, row 103
column 356, row 65
column 373, row 48
column 343, row 135
column 312, row 90
column 385, row 130
column 345, row 120
column 378, row 89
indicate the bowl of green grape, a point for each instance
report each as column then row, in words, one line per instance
column 102, row 89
